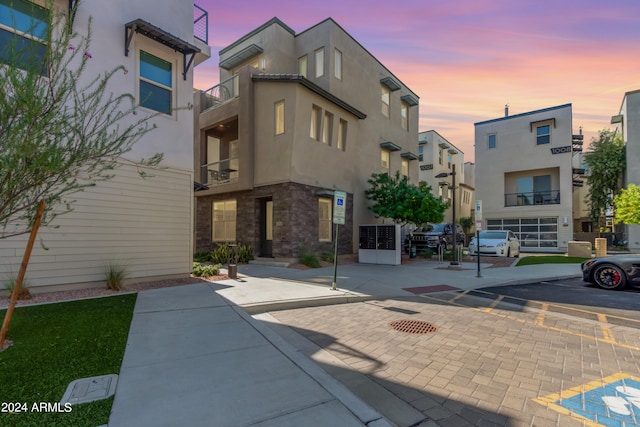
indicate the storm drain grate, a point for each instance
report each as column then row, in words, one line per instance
column 413, row 326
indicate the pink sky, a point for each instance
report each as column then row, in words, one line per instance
column 466, row 59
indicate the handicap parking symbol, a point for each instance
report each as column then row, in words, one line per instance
column 614, row 401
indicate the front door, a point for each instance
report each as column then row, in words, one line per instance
column 266, row 228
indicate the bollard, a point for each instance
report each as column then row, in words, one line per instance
column 601, row 247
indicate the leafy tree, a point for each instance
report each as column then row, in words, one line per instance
column 628, row 205
column 466, row 223
column 606, row 161
column 395, row 198
column 60, row 130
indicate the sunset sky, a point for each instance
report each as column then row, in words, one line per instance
column 466, row 59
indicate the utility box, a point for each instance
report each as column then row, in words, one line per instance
column 380, row 244
column 579, row 249
column 601, row 247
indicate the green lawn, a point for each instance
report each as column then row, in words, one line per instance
column 54, row 344
column 549, row 259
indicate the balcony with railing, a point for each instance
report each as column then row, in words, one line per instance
column 200, row 24
column 219, row 94
column 221, row 172
column 531, row 199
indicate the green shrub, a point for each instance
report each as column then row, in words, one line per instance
column 426, row 252
column 202, row 257
column 10, row 283
column 205, row 270
column 327, row 257
column 245, row 253
column 310, row 260
column 220, row 254
column 114, row 275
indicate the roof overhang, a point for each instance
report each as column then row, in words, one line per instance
column 410, row 100
column 390, row 83
column 388, row 145
column 409, row 155
column 161, row 36
column 244, row 55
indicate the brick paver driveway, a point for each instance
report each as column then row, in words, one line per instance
column 488, row 363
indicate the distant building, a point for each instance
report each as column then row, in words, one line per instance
column 297, row 116
column 525, row 176
column 144, row 225
column 437, row 155
column 628, row 122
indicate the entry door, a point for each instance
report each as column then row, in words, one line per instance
column 266, row 228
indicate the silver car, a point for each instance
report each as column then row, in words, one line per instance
column 496, row 242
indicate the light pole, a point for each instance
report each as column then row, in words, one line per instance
column 454, row 260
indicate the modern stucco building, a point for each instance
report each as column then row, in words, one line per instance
column 628, row 122
column 143, row 224
column 437, row 155
column 525, row 177
column 297, row 116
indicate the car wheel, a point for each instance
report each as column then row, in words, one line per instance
column 609, row 276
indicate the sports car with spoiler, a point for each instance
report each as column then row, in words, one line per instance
column 613, row 272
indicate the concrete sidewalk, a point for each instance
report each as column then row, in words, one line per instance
column 195, row 357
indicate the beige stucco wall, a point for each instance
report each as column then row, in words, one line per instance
column 630, row 110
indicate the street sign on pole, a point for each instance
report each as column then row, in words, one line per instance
column 339, row 207
column 478, row 210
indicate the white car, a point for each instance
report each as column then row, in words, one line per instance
column 496, row 242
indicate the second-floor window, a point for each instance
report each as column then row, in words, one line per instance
column 319, row 56
column 327, row 128
column 543, row 134
column 302, row 66
column 342, row 135
column 440, row 156
column 405, row 168
column 491, row 141
column 404, row 116
column 156, row 83
column 338, row 64
column 420, row 153
column 314, row 128
column 385, row 95
column 279, row 117
column 23, row 32
column 384, row 161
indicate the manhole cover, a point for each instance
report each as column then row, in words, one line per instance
column 413, row 326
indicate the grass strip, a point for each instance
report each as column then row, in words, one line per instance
column 54, row 344
column 550, row 259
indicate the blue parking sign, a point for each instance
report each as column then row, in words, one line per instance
column 614, row 401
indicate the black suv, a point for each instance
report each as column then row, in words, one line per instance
column 437, row 237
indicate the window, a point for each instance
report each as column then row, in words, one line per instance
column 327, row 128
column 449, row 161
column 314, row 131
column 535, row 190
column 440, row 156
column 404, row 115
column 279, row 117
column 324, row 219
column 420, row 153
column 543, row 134
column 338, row 64
column 405, row 167
column 224, row 221
column 385, row 96
column 384, row 163
column 320, row 62
column 156, row 82
column 23, row 32
column 302, row 66
column 491, row 141
column 342, row 135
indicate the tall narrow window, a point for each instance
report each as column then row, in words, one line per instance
column 224, row 221
column 342, row 135
column 404, row 116
column 279, row 117
column 314, row 127
column 405, row 167
column 543, row 134
column 386, row 98
column 384, row 161
column 324, row 219
column 23, row 30
column 302, row 66
column 440, row 156
column 338, row 64
column 319, row 54
column 491, row 141
column 449, row 161
column 420, row 153
column 156, row 83
column 327, row 128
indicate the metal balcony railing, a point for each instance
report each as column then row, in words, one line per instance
column 200, row 24
column 221, row 172
column 219, row 94
column 534, row 198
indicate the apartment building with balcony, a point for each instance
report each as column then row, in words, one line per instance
column 525, row 176
column 143, row 225
column 628, row 123
column 437, row 155
column 295, row 117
